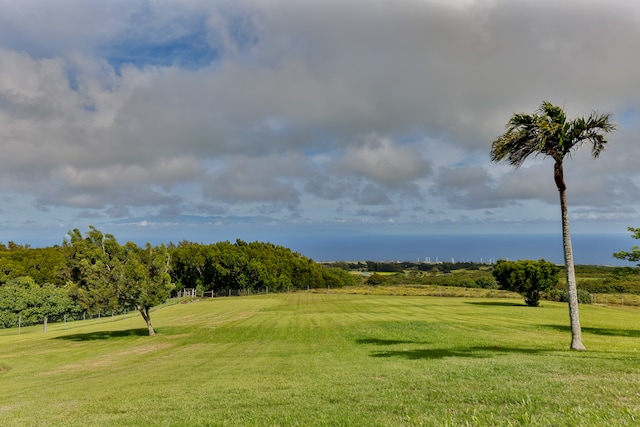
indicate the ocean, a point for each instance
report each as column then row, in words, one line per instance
column 595, row 249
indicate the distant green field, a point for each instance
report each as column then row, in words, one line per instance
column 312, row 359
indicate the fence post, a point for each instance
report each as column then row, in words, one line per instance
column 19, row 323
column 46, row 318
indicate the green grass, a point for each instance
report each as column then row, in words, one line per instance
column 327, row 360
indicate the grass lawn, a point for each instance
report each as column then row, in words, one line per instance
column 308, row 359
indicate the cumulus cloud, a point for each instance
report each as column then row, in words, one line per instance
column 468, row 187
column 267, row 179
column 384, row 162
column 308, row 109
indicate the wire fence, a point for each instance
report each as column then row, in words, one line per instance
column 621, row 300
column 190, row 295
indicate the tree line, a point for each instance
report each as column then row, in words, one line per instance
column 93, row 273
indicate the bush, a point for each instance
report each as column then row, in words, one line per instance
column 338, row 278
column 528, row 278
column 584, row 297
column 486, row 283
column 560, row 295
column 376, row 279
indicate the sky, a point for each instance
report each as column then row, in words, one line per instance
column 209, row 120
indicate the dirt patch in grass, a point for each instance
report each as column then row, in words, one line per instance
column 144, row 349
column 107, row 359
column 173, row 337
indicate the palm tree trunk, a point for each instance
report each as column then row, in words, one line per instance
column 572, row 292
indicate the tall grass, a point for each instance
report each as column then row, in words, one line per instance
column 316, row 359
column 421, row 290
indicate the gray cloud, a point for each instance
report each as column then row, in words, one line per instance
column 373, row 195
column 329, row 187
column 267, row 179
column 386, row 213
column 299, row 109
column 381, row 160
column 468, row 187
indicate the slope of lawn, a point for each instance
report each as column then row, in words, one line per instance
column 327, row 360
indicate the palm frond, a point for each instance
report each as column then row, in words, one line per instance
column 591, row 130
column 548, row 132
column 518, row 142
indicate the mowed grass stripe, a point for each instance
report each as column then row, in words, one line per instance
column 328, row 359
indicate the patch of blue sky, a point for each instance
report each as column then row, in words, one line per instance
column 629, row 118
column 192, row 41
column 72, row 80
column 90, row 108
column 242, row 31
column 188, row 51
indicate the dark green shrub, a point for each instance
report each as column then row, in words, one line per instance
column 486, row 283
column 528, row 278
column 560, row 295
column 376, row 279
column 584, row 297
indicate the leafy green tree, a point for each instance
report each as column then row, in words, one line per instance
column 105, row 275
column 10, row 269
column 528, row 278
column 23, row 300
column 41, row 264
column 548, row 132
column 248, row 266
column 634, row 255
column 339, row 278
column 191, row 265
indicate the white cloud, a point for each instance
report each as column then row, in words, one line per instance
column 308, row 108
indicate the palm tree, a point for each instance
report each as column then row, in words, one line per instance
column 548, row 132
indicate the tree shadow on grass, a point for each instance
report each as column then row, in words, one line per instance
column 479, row 352
column 497, row 303
column 633, row 333
column 378, row 341
column 105, row 335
